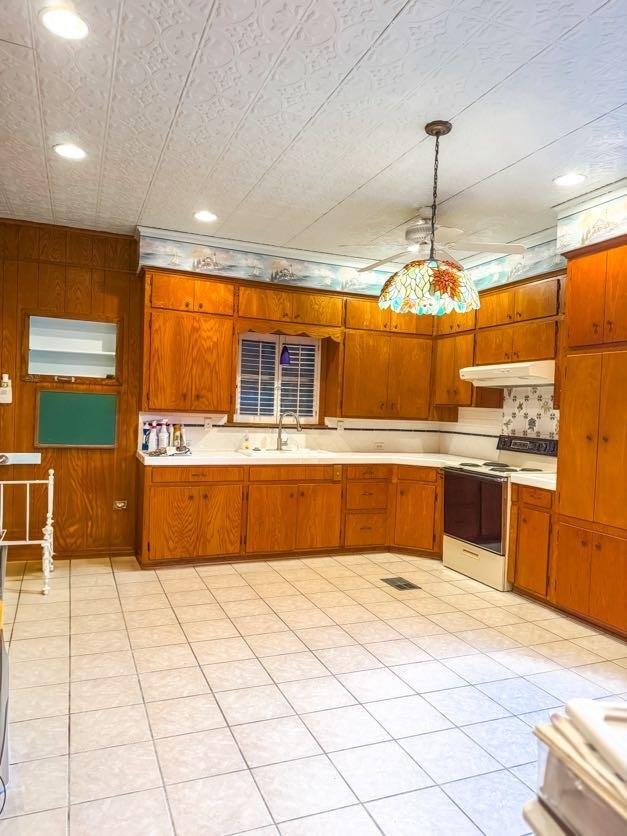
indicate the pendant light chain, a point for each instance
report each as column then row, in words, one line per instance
column 434, row 205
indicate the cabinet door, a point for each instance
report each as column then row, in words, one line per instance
column 444, row 371
column 211, row 374
column 317, row 309
column 532, row 553
column 174, row 515
column 219, row 519
column 585, row 305
column 464, row 353
column 570, row 568
column 271, row 523
column 536, row 300
column 214, row 297
column 365, row 383
column 171, row 360
column 615, row 327
column 366, row 314
column 608, row 581
column 609, row 504
column 415, row 515
column 409, row 377
column 409, row 323
column 579, row 427
column 259, row 303
column 453, row 323
column 171, row 291
column 318, row 516
column 533, row 341
column 494, row 346
column 496, row 308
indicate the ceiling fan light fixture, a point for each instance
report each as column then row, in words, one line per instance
column 572, row 178
column 431, row 286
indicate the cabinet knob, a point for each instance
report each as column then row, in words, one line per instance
column 381, row 404
column 205, row 496
column 588, row 436
column 509, row 316
column 396, row 326
column 597, row 546
column 296, row 316
column 584, row 543
column 191, row 496
column 302, row 493
column 609, row 324
column 402, row 493
column 604, row 438
column 200, row 306
column 519, row 314
column 291, row 496
column 523, row 520
column 187, row 304
column 595, row 327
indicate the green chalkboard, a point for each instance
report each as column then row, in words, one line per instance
column 75, row 419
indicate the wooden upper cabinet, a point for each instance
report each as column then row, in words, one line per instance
column 365, row 382
column 183, row 293
column 453, row 323
column 494, row 346
column 579, row 429
column 214, row 297
column 366, row 314
column 409, row 323
column 213, row 355
column 409, row 378
column 497, row 308
column 464, row 352
column 451, row 355
column 319, row 516
column 317, row 308
column 169, row 290
column 171, row 361
column 532, row 552
column 533, row 341
column 271, row 523
column 259, row 303
column 610, row 506
column 615, row 325
column 570, row 568
column 608, row 581
column 414, row 525
column 536, row 300
column 585, row 299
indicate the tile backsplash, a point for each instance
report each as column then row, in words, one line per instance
column 528, row 411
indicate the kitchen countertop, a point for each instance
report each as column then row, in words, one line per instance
column 230, row 457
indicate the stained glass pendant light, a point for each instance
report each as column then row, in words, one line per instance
column 431, row 285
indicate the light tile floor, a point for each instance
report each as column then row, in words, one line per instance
column 290, row 697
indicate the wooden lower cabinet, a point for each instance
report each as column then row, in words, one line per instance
column 414, row 526
column 284, row 518
column 195, row 521
column 532, row 551
column 570, row 569
column 271, row 523
column 319, row 517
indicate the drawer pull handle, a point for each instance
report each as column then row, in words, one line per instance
column 366, row 528
column 367, row 493
column 470, row 554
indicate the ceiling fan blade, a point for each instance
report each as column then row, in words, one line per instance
column 486, row 247
column 447, row 234
column 376, row 264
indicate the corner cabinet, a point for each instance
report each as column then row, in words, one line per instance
column 189, row 361
column 385, row 376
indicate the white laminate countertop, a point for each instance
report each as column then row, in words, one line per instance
column 229, row 457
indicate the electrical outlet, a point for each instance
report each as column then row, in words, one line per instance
column 379, row 445
column 120, row 504
column 340, row 425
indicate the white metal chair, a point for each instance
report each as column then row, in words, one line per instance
column 47, row 541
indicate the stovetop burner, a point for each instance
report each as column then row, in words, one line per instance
column 470, row 464
column 530, row 469
column 492, row 464
column 503, row 469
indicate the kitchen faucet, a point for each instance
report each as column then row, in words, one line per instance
column 279, row 439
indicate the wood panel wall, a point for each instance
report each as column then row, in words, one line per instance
column 52, row 270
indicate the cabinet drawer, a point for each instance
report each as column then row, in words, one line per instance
column 300, row 473
column 362, row 495
column 536, row 496
column 417, row 474
column 369, row 471
column 189, row 473
column 365, row 529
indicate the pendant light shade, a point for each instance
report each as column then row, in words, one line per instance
column 431, row 285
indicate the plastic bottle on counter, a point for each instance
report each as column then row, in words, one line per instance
column 145, row 436
column 152, row 437
column 163, row 438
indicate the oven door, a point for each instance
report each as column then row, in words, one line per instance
column 475, row 508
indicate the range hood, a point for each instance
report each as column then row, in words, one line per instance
column 531, row 373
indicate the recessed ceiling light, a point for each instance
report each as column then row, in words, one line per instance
column 205, row 215
column 64, row 22
column 70, row 151
column 570, row 179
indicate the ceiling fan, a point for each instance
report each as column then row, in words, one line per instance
column 417, row 235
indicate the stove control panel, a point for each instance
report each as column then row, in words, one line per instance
column 519, row 444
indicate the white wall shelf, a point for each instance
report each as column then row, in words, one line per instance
column 71, row 347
